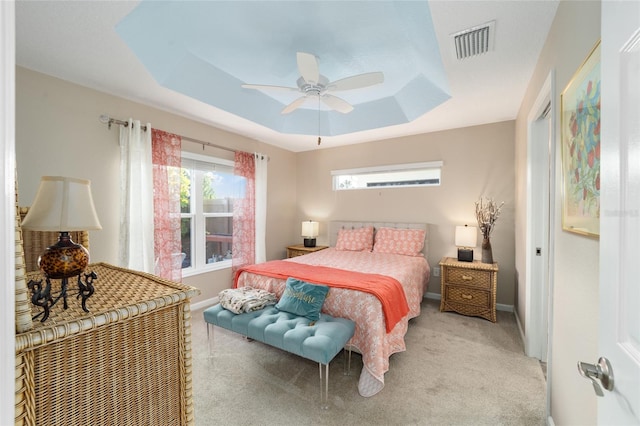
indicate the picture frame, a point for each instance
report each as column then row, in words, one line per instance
column 580, row 147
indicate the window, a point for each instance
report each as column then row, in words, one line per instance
column 400, row 175
column 208, row 190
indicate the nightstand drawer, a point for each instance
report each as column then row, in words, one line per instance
column 468, row 277
column 468, row 296
column 300, row 250
column 296, row 253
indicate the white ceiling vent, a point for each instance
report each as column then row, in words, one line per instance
column 474, row 41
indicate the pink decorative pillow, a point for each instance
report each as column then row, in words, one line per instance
column 359, row 239
column 408, row 242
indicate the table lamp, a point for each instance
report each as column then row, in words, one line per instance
column 309, row 233
column 466, row 240
column 62, row 204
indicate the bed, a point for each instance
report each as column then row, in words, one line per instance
column 377, row 334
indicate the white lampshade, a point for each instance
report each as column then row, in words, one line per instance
column 466, row 236
column 310, row 229
column 62, row 204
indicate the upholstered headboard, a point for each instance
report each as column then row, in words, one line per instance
column 335, row 226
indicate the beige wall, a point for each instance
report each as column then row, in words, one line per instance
column 58, row 133
column 575, row 31
column 478, row 161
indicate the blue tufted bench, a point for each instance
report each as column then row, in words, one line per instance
column 320, row 342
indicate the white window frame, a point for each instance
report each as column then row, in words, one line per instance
column 389, row 169
column 198, row 220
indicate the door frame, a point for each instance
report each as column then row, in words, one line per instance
column 8, row 210
column 539, row 233
column 539, row 304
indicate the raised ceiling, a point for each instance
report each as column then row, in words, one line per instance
column 107, row 46
column 198, row 49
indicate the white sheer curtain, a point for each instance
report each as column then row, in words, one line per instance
column 136, row 198
column 261, row 162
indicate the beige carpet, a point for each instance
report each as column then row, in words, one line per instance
column 457, row 370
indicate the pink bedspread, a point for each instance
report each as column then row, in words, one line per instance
column 370, row 338
column 388, row 290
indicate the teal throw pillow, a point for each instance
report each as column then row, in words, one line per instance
column 303, row 298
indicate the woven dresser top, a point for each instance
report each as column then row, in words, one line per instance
column 119, row 294
column 476, row 264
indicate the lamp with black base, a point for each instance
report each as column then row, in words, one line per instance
column 62, row 204
column 309, row 233
column 466, row 240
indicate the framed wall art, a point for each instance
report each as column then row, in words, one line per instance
column 580, row 139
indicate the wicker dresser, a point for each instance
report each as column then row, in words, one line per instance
column 469, row 288
column 127, row 362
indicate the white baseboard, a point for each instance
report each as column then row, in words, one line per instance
column 434, row 296
column 499, row 306
column 204, row 303
column 505, row 308
column 521, row 330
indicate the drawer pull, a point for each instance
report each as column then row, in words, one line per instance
column 467, row 277
column 467, row 296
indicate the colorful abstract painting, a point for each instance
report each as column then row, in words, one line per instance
column 580, row 127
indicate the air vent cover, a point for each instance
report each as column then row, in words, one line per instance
column 474, row 41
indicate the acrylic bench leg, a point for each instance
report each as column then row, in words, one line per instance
column 210, row 338
column 347, row 362
column 324, row 386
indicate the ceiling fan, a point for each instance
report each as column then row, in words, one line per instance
column 312, row 83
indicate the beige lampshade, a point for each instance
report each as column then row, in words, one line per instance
column 466, row 236
column 62, row 204
column 310, row 229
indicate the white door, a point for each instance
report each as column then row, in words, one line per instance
column 619, row 333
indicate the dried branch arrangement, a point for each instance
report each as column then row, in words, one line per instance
column 487, row 212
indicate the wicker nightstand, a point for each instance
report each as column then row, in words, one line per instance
column 299, row 250
column 469, row 288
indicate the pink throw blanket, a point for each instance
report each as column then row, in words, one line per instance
column 387, row 289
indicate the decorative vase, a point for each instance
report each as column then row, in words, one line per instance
column 487, row 254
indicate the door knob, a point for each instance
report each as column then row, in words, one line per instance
column 601, row 372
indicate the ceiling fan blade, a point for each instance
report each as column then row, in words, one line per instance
column 293, row 105
column 357, row 81
column 308, row 67
column 272, row 88
column 337, row 103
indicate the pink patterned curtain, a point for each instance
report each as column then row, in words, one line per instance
column 244, row 213
column 166, row 152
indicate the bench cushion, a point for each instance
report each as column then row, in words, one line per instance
column 292, row 333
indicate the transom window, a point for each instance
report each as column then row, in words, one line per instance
column 400, row 175
column 208, row 190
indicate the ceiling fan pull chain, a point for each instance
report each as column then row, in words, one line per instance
column 319, row 140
